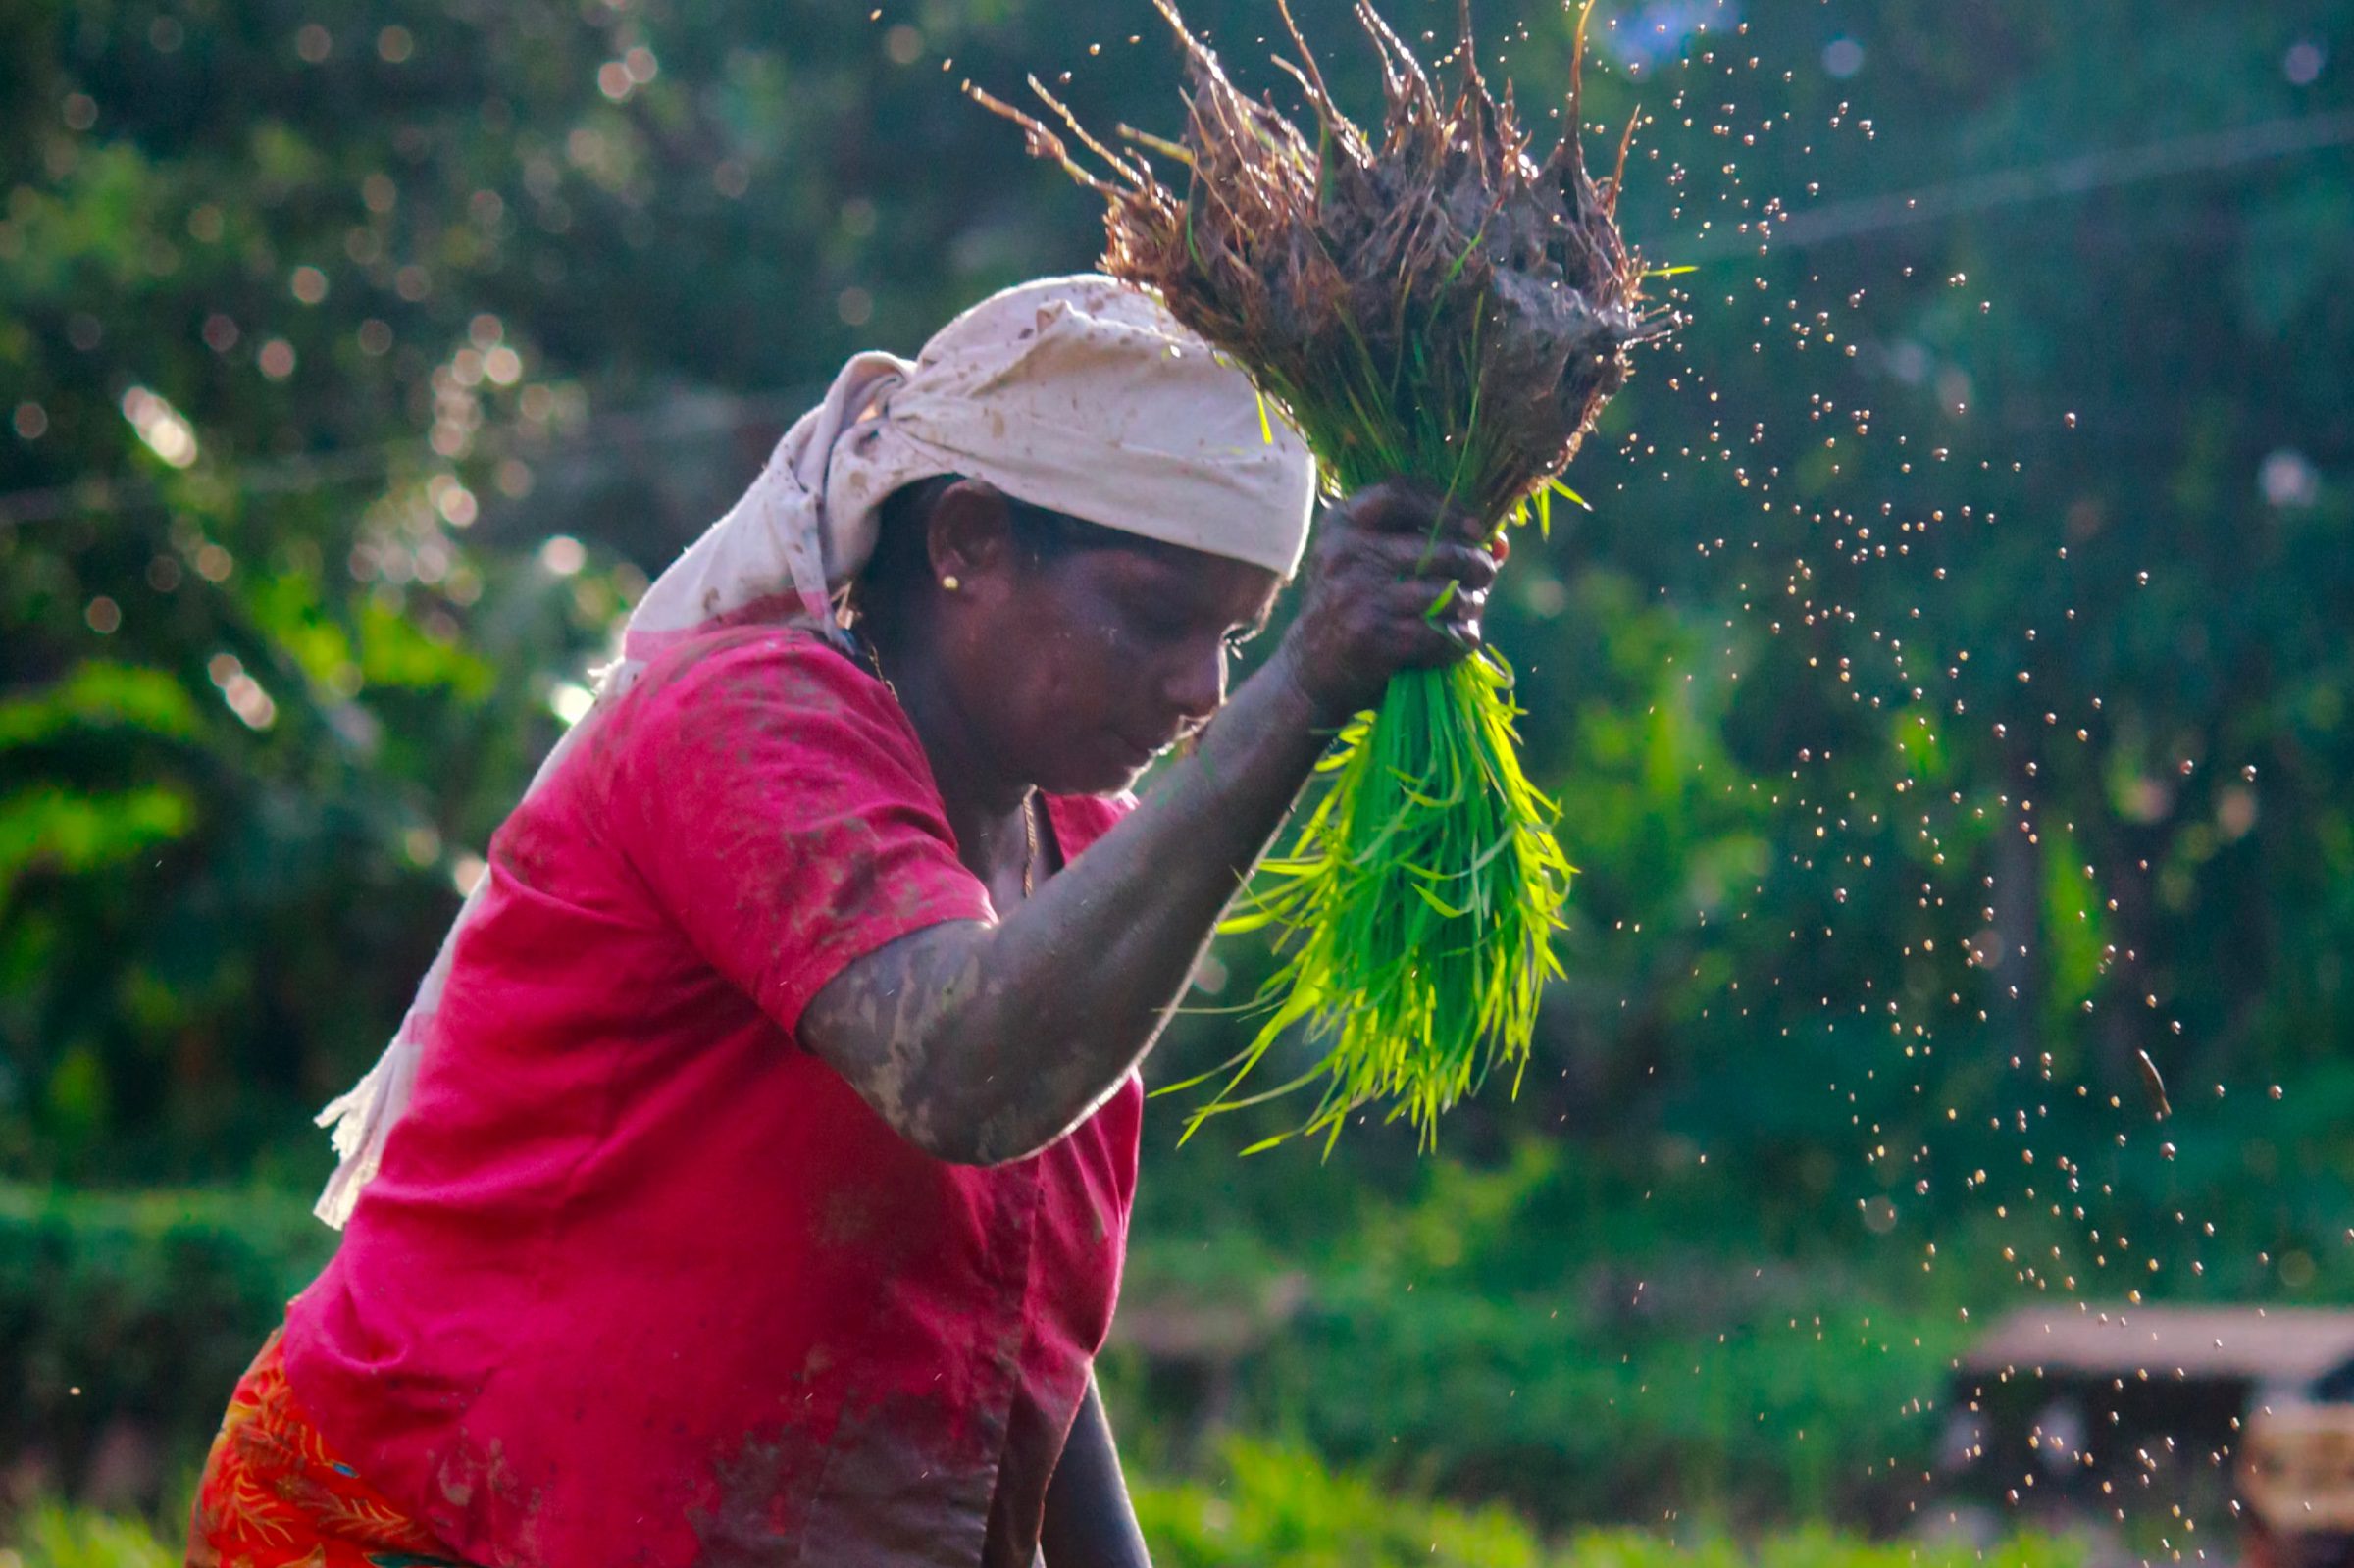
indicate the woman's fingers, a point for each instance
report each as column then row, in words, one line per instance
column 1400, row 581
column 1397, row 507
column 1467, row 564
column 1401, row 558
column 1412, row 508
column 1429, row 599
column 1435, row 646
column 1434, row 621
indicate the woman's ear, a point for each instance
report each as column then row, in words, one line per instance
column 969, row 536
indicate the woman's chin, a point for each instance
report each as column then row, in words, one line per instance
column 1104, row 769
column 1096, row 781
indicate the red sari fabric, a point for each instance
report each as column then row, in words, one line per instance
column 640, row 1280
column 274, row 1495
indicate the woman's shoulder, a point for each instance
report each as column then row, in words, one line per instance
column 765, row 696
column 724, row 659
column 707, row 680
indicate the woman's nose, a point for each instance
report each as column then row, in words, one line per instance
column 1197, row 685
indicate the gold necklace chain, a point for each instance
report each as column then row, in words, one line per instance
column 874, row 656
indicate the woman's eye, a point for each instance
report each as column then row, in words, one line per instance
column 1157, row 624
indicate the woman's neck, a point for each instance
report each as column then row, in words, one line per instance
column 984, row 802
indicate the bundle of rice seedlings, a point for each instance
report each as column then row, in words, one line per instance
column 1438, row 306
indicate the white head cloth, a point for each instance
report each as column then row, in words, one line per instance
column 1076, row 394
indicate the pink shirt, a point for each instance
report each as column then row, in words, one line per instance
column 641, row 1281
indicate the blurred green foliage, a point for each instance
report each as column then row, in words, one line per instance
column 137, row 1312
column 356, row 370
column 52, row 1536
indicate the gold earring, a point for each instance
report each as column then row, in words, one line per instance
column 951, row 583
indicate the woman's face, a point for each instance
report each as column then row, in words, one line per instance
column 1076, row 671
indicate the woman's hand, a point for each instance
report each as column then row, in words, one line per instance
column 1383, row 558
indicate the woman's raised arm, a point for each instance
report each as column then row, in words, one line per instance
column 983, row 1042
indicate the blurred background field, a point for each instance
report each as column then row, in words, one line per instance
column 1947, row 696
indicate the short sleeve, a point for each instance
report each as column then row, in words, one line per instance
column 773, row 800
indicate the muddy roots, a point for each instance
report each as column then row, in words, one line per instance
column 1436, row 302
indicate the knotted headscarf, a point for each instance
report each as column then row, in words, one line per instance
column 1076, row 394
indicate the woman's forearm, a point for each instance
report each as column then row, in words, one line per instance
column 983, row 1043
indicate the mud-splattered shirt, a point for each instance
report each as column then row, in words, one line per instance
column 640, row 1280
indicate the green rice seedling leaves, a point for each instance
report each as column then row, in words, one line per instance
column 1435, row 304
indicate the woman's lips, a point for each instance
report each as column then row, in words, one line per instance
column 1139, row 753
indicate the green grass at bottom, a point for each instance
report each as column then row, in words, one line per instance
column 51, row 1535
column 1274, row 1505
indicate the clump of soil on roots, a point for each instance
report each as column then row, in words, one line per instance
column 1441, row 286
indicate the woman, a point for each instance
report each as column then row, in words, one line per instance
column 761, row 1192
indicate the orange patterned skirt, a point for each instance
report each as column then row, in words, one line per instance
column 274, row 1496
